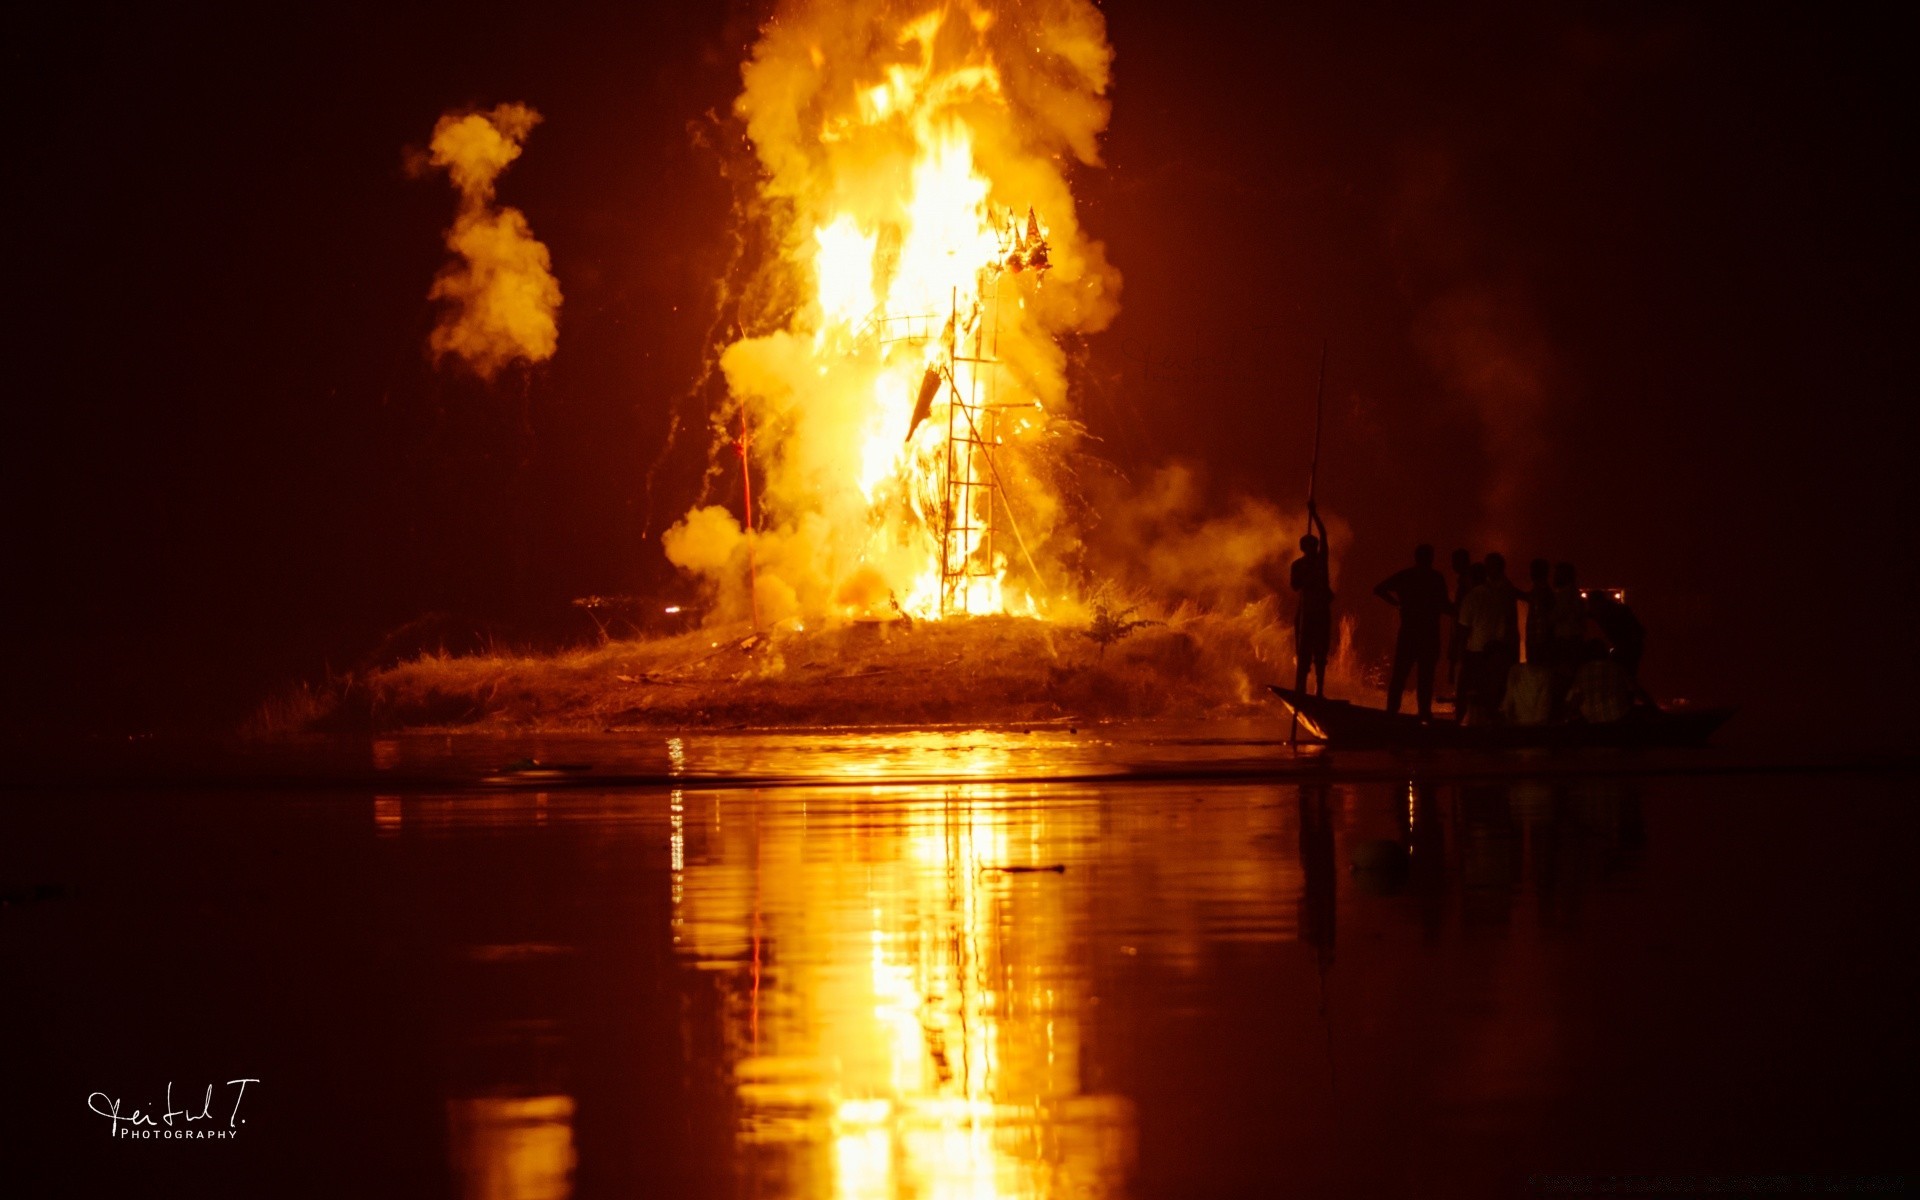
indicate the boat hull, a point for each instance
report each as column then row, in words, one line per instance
column 1345, row 725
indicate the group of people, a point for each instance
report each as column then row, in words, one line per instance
column 1547, row 667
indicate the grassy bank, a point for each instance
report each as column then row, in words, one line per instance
column 1186, row 663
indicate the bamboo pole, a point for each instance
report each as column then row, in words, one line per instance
column 1313, row 481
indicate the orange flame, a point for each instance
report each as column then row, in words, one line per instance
column 910, row 410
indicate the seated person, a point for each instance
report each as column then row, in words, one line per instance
column 1529, row 698
column 1602, row 689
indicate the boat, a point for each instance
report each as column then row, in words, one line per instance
column 1344, row 725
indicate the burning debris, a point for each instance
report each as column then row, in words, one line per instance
column 500, row 296
column 907, row 413
column 1028, row 250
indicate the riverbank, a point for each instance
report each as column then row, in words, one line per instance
column 985, row 670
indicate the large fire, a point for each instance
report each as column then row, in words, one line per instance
column 906, row 404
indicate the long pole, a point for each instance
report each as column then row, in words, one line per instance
column 1313, row 481
column 1319, row 413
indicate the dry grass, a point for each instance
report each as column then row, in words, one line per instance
column 986, row 670
column 302, row 708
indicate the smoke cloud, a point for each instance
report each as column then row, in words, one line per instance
column 498, row 294
column 1486, row 345
column 1481, row 335
column 1168, row 540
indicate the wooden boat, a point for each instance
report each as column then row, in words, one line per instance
column 1347, row 726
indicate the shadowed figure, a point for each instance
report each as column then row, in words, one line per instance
column 1490, row 613
column 1313, row 606
column 1539, row 612
column 1467, row 575
column 1569, row 633
column 1420, row 593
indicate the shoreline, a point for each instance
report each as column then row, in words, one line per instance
column 1105, row 754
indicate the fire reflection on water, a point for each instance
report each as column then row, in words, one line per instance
column 911, row 1020
column 512, row 1147
column 904, row 990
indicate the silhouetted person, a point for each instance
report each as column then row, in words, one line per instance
column 1603, row 689
column 1529, row 695
column 1313, row 608
column 1491, row 614
column 1463, row 582
column 1569, row 628
column 1420, row 593
column 1539, row 612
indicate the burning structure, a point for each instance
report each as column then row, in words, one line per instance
column 912, row 273
column 898, row 387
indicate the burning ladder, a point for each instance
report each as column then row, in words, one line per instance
column 968, row 572
column 971, row 505
column 973, row 501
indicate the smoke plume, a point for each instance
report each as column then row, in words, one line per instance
column 1487, row 346
column 1168, row 540
column 1481, row 335
column 499, row 297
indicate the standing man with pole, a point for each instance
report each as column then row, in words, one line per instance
column 1313, row 608
column 1311, row 576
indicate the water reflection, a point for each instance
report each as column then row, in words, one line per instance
column 1395, row 987
column 1317, row 905
column 909, row 987
column 955, row 992
column 959, row 754
column 1000, row 990
column 512, row 1147
column 510, row 1115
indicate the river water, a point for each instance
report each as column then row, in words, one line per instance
column 928, row 972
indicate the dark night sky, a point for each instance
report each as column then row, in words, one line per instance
column 1682, row 235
